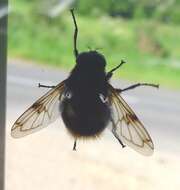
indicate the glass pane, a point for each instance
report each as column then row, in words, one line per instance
column 41, row 50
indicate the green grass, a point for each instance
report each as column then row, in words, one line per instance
column 34, row 36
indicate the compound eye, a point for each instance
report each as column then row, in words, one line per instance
column 103, row 98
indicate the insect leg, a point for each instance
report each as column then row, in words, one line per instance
column 75, row 34
column 45, row 86
column 110, row 73
column 113, row 130
column 74, row 146
column 137, row 85
column 116, row 136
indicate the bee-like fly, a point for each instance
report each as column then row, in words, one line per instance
column 88, row 103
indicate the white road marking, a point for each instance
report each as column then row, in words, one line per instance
column 33, row 82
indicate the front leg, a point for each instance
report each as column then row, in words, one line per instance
column 75, row 34
column 110, row 73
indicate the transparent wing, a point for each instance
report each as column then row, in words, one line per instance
column 127, row 126
column 43, row 112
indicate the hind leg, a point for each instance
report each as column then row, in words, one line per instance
column 74, row 146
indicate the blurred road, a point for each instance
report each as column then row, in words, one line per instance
column 41, row 160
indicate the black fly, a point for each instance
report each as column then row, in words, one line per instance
column 88, row 103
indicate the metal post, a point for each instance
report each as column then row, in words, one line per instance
column 3, row 59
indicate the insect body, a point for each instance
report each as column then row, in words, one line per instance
column 88, row 103
column 84, row 112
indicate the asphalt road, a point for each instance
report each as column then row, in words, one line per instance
column 158, row 109
column 45, row 160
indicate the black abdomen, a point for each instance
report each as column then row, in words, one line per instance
column 85, row 116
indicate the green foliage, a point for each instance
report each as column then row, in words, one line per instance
column 92, row 7
column 111, row 7
column 150, row 48
column 163, row 10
